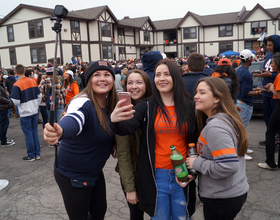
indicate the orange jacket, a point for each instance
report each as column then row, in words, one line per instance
column 71, row 91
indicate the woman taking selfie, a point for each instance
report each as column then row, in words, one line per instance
column 138, row 84
column 222, row 144
column 167, row 118
column 86, row 142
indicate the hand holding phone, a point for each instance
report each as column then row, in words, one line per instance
column 126, row 96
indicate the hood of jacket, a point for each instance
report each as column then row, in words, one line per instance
column 12, row 78
column 276, row 42
column 150, row 60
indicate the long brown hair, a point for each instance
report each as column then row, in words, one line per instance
column 111, row 101
column 148, row 93
column 220, row 91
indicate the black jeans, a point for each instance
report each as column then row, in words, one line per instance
column 223, row 209
column 272, row 129
column 135, row 212
column 83, row 203
column 4, row 124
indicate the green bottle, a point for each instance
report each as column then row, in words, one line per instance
column 179, row 165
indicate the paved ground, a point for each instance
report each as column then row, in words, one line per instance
column 33, row 194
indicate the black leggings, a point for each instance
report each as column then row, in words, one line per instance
column 86, row 203
column 135, row 212
column 223, row 209
column 272, row 129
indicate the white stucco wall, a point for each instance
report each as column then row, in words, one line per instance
column 95, row 55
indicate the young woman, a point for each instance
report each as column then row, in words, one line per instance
column 138, row 84
column 42, row 105
column 222, row 144
column 226, row 72
column 167, row 118
column 70, row 85
column 274, row 120
column 86, row 142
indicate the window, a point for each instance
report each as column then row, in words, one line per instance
column 121, row 31
column 105, row 29
column 77, row 51
column 122, row 50
column 38, row 54
column 13, row 58
column 188, row 49
column 75, row 26
column 225, row 31
column 35, row 29
column 223, row 47
column 107, row 52
column 189, row 33
column 10, row 32
column 258, row 27
column 248, row 45
column 146, row 35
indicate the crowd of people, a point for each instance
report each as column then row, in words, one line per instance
column 198, row 99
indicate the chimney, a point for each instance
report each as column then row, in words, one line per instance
column 125, row 17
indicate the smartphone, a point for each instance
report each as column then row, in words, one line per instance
column 257, row 71
column 126, row 96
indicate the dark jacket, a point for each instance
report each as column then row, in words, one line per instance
column 5, row 102
column 10, row 82
column 144, row 118
column 190, row 80
column 208, row 71
column 149, row 61
column 267, row 64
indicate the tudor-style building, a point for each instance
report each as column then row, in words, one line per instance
column 95, row 33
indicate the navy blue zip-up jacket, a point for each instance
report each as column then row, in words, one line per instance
column 267, row 64
column 245, row 85
column 190, row 80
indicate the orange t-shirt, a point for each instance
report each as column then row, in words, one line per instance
column 276, row 85
column 71, row 92
column 167, row 135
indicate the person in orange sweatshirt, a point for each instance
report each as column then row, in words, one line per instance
column 70, row 86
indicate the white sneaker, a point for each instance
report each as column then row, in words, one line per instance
column 249, row 151
column 265, row 166
column 3, row 184
column 248, row 157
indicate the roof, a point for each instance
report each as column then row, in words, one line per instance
column 136, row 22
column 93, row 13
column 167, row 24
column 84, row 14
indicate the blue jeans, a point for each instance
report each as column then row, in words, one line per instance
column 171, row 200
column 44, row 113
column 4, row 124
column 246, row 113
column 29, row 126
column 57, row 113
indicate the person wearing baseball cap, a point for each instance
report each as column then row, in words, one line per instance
column 70, row 85
column 86, row 142
column 246, row 93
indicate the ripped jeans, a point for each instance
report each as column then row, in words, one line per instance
column 171, row 200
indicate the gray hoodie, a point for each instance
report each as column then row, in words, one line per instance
column 222, row 172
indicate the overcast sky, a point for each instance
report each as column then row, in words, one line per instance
column 156, row 9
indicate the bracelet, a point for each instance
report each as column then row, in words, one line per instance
column 257, row 92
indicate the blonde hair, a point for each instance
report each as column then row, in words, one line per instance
column 221, row 91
